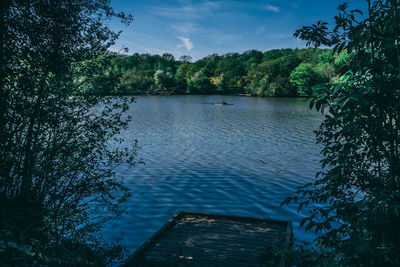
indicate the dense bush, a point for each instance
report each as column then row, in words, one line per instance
column 57, row 182
column 355, row 201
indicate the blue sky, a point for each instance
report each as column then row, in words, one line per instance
column 202, row 27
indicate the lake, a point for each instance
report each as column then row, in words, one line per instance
column 241, row 159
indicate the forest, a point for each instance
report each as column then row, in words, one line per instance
column 278, row 72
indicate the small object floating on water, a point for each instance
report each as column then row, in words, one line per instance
column 200, row 239
column 222, row 104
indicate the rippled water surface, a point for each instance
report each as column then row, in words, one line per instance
column 241, row 159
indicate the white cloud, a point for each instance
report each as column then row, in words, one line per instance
column 188, row 10
column 185, row 43
column 260, row 29
column 272, row 8
column 185, row 28
column 221, row 38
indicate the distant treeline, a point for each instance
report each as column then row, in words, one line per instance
column 279, row 72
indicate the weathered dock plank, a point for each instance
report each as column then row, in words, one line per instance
column 200, row 239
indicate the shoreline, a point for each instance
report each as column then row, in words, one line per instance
column 240, row 95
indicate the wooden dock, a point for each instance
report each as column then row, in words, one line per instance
column 199, row 239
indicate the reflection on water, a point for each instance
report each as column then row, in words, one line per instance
column 241, row 159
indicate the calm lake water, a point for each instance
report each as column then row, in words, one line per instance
column 241, row 159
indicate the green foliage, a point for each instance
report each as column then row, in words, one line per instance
column 133, row 84
column 253, row 72
column 57, row 180
column 185, row 71
column 200, row 84
column 355, row 201
column 166, row 84
column 305, row 78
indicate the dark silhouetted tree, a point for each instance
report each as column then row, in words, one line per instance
column 355, row 201
column 58, row 140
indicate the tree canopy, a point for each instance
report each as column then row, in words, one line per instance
column 57, row 182
column 277, row 72
column 355, row 201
